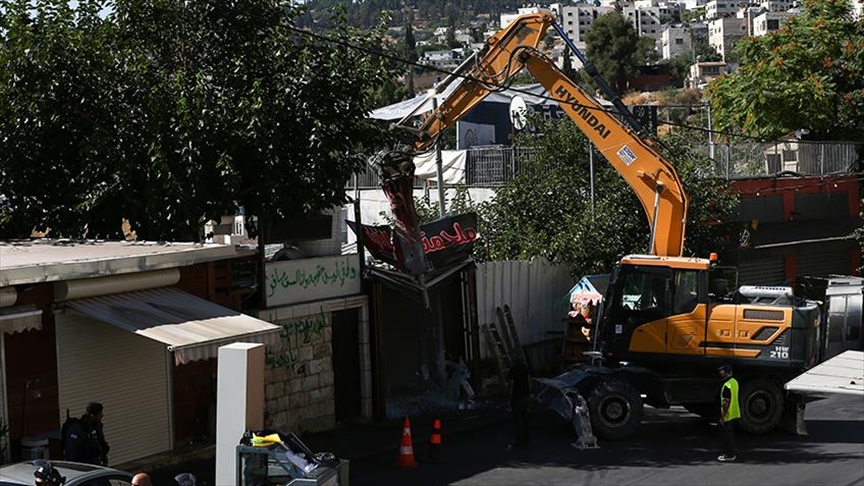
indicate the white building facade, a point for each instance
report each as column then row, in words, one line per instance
column 577, row 20
column 724, row 32
column 507, row 19
column 770, row 22
column 776, row 5
column 676, row 40
column 716, row 9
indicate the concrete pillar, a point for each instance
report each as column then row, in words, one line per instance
column 239, row 403
column 365, row 363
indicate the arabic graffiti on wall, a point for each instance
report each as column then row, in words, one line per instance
column 299, row 337
column 310, row 279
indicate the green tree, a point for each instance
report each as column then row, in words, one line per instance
column 169, row 112
column 60, row 94
column 614, row 46
column 548, row 42
column 409, row 50
column 679, row 67
column 546, row 210
column 809, row 74
column 450, row 35
column 692, row 15
column 705, row 52
column 567, row 67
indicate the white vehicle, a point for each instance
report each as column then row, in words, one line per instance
column 76, row 474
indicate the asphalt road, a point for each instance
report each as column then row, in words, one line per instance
column 671, row 447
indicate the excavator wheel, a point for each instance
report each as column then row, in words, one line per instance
column 761, row 405
column 616, row 409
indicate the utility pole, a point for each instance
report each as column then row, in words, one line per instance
column 439, row 163
column 710, row 135
column 591, row 172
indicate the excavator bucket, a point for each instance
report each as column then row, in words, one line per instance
column 560, row 395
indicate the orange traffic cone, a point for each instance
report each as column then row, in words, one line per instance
column 435, row 442
column 405, row 458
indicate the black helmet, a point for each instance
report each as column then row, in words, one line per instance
column 46, row 474
column 94, row 408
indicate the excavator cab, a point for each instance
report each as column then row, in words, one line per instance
column 655, row 306
column 638, row 299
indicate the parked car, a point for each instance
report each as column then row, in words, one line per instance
column 76, row 474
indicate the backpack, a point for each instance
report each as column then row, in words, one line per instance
column 64, row 430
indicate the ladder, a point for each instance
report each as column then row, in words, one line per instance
column 513, row 335
column 498, row 351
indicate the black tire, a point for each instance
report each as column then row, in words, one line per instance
column 705, row 410
column 616, row 409
column 761, row 403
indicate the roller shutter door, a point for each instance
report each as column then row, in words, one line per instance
column 824, row 261
column 3, row 413
column 127, row 373
column 763, row 271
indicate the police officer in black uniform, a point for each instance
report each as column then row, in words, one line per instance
column 46, row 475
column 84, row 440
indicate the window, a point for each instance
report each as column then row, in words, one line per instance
column 642, row 296
column 679, row 42
column 790, row 156
column 773, row 163
column 686, row 292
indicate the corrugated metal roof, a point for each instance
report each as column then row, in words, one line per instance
column 54, row 260
column 191, row 327
column 843, row 374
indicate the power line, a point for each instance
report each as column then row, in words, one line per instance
column 502, row 87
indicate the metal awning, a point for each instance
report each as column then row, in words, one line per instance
column 191, row 327
column 20, row 318
column 842, row 374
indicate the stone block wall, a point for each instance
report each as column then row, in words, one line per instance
column 299, row 392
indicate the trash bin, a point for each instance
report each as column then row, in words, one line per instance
column 287, row 462
column 34, row 448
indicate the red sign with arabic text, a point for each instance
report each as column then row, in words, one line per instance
column 446, row 241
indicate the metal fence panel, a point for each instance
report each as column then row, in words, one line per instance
column 494, row 166
column 533, row 289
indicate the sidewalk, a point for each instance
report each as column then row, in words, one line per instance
column 357, row 442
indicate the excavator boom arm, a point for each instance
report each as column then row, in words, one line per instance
column 654, row 180
column 485, row 72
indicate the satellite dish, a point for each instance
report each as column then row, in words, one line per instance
column 518, row 113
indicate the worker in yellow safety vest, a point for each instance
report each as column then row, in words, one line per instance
column 730, row 413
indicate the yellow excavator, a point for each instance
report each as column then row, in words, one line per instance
column 667, row 321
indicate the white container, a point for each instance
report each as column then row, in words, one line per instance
column 34, row 448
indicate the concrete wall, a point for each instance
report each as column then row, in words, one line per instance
column 299, row 392
column 4, row 420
